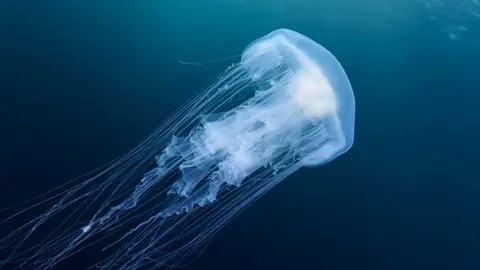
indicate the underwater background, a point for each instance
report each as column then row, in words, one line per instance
column 81, row 82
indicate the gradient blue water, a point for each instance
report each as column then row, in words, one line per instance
column 81, row 82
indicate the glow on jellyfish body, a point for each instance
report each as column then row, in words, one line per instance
column 287, row 104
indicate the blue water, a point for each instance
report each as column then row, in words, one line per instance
column 83, row 81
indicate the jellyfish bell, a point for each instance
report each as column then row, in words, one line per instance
column 316, row 82
column 287, row 104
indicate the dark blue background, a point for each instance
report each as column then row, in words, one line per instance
column 83, row 81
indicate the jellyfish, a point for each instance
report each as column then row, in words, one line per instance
column 285, row 105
